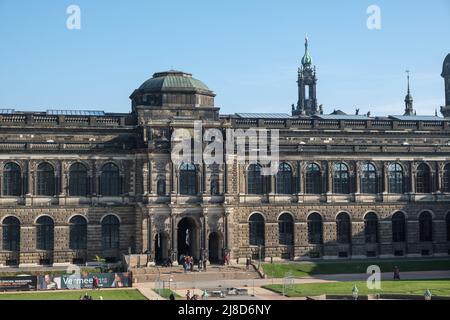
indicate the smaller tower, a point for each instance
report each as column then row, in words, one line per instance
column 446, row 75
column 409, row 110
column 307, row 81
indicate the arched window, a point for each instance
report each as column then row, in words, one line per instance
column 12, row 182
column 396, row 179
column 11, row 234
column 423, row 179
column 343, row 228
column 110, row 232
column 78, row 233
column 341, row 179
column 371, row 227
column 446, row 182
column 110, row 185
column 188, row 179
column 78, row 180
column 161, row 187
column 447, row 222
column 284, row 179
column 426, row 227
column 286, row 229
column 315, row 229
column 254, row 179
column 369, row 179
column 256, row 229
column 398, row 227
column 45, row 233
column 45, row 180
column 215, row 186
column 313, row 179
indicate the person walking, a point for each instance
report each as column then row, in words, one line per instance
column 396, row 273
column 204, row 264
column 188, row 295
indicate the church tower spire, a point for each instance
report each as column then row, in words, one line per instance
column 307, row 81
column 409, row 110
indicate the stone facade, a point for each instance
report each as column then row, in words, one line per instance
column 156, row 219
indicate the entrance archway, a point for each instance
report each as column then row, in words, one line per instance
column 161, row 248
column 215, row 247
column 188, row 238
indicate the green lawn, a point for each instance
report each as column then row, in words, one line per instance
column 303, row 269
column 415, row 287
column 127, row 294
column 165, row 293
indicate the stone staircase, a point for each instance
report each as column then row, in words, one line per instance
column 213, row 273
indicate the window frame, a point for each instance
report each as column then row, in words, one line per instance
column 12, row 180
column 78, row 233
column 341, row 179
column 286, row 229
column 11, row 228
column 188, row 179
column 45, row 233
column 110, row 232
column 256, row 228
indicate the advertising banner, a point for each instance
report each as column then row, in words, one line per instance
column 26, row 283
column 85, row 281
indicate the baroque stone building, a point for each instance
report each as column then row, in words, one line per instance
column 76, row 184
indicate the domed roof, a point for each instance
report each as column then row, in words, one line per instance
column 446, row 66
column 306, row 60
column 173, row 79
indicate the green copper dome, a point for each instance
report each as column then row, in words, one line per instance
column 306, row 60
column 173, row 80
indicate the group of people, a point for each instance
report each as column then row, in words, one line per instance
column 193, row 296
column 188, row 263
column 87, row 297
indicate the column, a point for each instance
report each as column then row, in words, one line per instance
column 146, row 178
column 330, row 178
column 385, row 178
column 438, row 178
column 204, row 235
column 174, row 235
column 30, row 179
column 94, row 179
column 300, row 180
column 273, row 184
column 357, row 179
column 412, row 178
column 150, row 235
column 225, row 233
column 64, row 179
column 174, row 179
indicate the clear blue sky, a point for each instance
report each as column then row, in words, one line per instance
column 247, row 51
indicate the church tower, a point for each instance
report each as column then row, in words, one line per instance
column 307, row 81
column 446, row 75
column 409, row 110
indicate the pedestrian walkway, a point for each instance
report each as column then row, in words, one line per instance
column 149, row 293
column 255, row 285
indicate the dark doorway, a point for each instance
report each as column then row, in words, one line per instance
column 188, row 238
column 215, row 248
column 161, row 249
